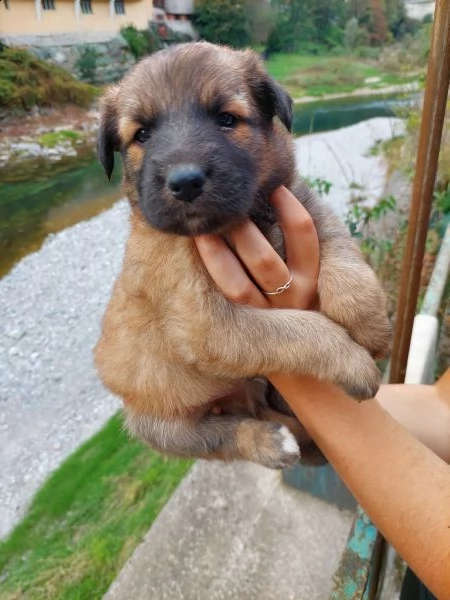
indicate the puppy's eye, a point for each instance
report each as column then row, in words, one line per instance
column 141, row 135
column 226, row 120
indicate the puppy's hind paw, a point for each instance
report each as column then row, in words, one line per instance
column 283, row 450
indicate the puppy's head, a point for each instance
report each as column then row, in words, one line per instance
column 198, row 127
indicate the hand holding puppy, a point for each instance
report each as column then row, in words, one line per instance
column 255, row 266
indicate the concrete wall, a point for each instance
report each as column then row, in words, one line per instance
column 27, row 17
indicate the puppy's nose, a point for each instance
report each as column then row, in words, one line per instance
column 186, row 182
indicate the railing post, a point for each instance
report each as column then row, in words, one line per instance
column 436, row 92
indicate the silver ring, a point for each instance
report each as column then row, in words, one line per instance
column 280, row 289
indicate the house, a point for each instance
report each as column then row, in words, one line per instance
column 85, row 19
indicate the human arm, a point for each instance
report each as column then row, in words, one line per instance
column 403, row 486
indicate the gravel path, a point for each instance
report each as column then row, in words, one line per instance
column 50, row 310
column 50, row 398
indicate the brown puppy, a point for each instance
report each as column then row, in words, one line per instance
column 202, row 150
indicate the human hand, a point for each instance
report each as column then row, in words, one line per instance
column 268, row 271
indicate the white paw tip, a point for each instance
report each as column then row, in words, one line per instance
column 289, row 443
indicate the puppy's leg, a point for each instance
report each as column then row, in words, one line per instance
column 222, row 437
column 280, row 411
column 248, row 342
column 349, row 290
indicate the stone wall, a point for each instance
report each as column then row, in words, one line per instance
column 113, row 58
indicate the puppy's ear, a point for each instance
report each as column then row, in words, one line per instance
column 108, row 139
column 271, row 98
column 274, row 100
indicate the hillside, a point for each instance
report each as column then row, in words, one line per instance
column 26, row 82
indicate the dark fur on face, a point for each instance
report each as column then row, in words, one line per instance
column 221, row 129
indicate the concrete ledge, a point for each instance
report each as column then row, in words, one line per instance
column 236, row 532
column 63, row 39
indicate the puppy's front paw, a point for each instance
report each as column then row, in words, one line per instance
column 375, row 335
column 361, row 378
column 278, row 448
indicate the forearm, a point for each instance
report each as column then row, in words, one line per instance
column 403, row 486
column 423, row 411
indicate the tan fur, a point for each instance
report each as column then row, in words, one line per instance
column 182, row 357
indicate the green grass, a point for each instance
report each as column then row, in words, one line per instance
column 307, row 75
column 53, row 138
column 87, row 519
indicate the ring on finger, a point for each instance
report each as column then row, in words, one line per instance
column 281, row 288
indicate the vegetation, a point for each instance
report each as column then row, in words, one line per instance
column 53, row 138
column 223, row 22
column 315, row 75
column 87, row 519
column 26, row 81
column 86, row 63
column 309, row 25
column 140, row 42
column 306, row 26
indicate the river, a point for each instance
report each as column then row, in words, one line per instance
column 42, row 199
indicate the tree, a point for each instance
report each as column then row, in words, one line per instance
column 223, row 22
column 354, row 35
column 378, row 26
column 307, row 24
column 398, row 21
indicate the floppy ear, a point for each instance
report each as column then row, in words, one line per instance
column 108, row 139
column 274, row 100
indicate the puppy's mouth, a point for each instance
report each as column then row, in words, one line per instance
column 190, row 200
column 191, row 220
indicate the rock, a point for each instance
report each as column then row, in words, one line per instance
column 50, row 152
column 27, row 148
column 372, row 80
column 59, row 58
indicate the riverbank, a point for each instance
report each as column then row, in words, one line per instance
column 52, row 303
column 404, row 88
column 56, row 134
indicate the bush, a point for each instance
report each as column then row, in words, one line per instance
column 87, row 63
column 26, row 81
column 354, row 35
column 140, row 42
column 222, row 22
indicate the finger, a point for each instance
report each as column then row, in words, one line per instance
column 259, row 257
column 300, row 235
column 227, row 272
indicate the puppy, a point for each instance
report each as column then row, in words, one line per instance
column 204, row 137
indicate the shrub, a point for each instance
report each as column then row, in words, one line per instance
column 86, row 63
column 223, row 22
column 26, row 81
column 140, row 42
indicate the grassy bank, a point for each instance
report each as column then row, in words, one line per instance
column 87, row 519
column 306, row 75
column 26, row 81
